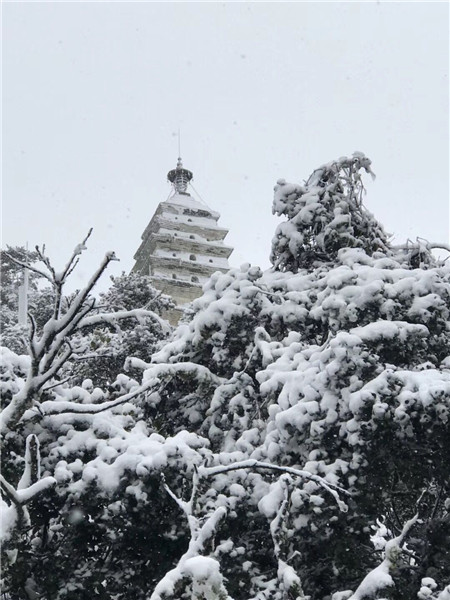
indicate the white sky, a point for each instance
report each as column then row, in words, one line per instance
column 94, row 93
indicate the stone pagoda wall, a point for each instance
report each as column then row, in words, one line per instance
column 181, row 248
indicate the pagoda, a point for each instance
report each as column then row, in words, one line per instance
column 182, row 246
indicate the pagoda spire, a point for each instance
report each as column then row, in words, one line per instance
column 180, row 177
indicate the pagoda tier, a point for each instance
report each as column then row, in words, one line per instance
column 182, row 246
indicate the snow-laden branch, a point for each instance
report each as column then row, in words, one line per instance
column 154, row 376
column 203, row 571
column 32, row 463
column 186, row 370
column 50, row 408
column 74, row 258
column 189, row 506
column 288, row 580
column 15, row 515
column 112, row 318
column 25, row 495
column 256, row 464
column 421, row 244
column 439, row 246
column 380, row 577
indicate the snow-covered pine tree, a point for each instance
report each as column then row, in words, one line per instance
column 336, row 362
column 324, row 215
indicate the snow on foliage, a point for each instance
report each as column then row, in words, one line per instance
column 324, row 215
column 294, row 414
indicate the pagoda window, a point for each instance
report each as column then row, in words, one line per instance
column 210, row 260
column 189, row 220
column 192, row 237
column 174, row 276
column 194, row 279
column 192, row 257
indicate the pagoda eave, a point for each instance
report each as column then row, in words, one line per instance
column 178, row 264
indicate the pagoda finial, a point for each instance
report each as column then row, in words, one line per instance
column 180, row 177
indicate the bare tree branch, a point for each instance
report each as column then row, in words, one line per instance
column 74, row 258
column 25, row 265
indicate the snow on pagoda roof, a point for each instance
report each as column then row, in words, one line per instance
column 187, row 201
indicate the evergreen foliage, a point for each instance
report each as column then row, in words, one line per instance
column 324, row 215
column 109, row 343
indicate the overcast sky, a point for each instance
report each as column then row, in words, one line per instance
column 94, row 93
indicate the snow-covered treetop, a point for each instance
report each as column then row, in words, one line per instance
column 324, row 215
